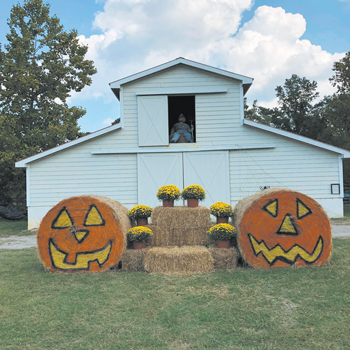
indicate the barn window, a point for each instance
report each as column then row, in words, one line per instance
column 184, row 104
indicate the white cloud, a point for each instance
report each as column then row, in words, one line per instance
column 139, row 34
column 108, row 122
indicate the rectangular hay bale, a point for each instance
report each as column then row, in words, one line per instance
column 179, row 260
column 180, row 226
column 224, row 259
column 133, row 260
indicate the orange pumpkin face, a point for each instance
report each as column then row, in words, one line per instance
column 80, row 234
column 285, row 228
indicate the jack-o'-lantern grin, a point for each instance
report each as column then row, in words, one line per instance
column 290, row 256
column 287, row 228
column 82, row 260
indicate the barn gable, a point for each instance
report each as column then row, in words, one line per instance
column 230, row 157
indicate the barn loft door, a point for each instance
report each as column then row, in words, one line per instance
column 211, row 171
column 153, row 120
column 156, row 170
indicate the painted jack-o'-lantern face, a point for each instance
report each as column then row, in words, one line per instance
column 80, row 234
column 285, row 228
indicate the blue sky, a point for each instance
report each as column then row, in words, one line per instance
column 266, row 40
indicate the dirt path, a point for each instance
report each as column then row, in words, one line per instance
column 21, row 242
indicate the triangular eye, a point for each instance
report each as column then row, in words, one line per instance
column 302, row 209
column 63, row 220
column 94, row 217
column 272, row 208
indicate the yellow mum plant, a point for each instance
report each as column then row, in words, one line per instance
column 168, row 193
column 140, row 212
column 193, row 192
column 222, row 232
column 139, row 234
column 221, row 209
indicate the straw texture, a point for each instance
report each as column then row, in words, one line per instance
column 180, row 226
column 224, row 259
column 179, row 260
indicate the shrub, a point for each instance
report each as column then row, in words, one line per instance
column 222, row 232
column 139, row 234
column 193, row 192
column 140, row 212
column 168, row 193
column 221, row 209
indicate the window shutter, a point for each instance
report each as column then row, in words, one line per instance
column 153, row 120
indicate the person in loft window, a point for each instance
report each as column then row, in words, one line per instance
column 181, row 128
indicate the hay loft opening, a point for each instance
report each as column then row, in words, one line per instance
column 186, row 106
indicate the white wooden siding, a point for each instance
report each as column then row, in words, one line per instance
column 291, row 165
column 71, row 173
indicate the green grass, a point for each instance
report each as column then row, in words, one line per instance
column 344, row 220
column 18, row 228
column 291, row 308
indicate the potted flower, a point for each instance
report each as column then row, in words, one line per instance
column 168, row 194
column 140, row 213
column 222, row 234
column 193, row 194
column 139, row 236
column 222, row 211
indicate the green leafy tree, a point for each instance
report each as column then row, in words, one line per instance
column 336, row 111
column 40, row 65
column 257, row 113
column 296, row 110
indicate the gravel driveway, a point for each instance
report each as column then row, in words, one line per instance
column 20, row 242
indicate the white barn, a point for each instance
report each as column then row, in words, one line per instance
column 231, row 158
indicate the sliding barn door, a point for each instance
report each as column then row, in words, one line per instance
column 156, row 170
column 211, row 171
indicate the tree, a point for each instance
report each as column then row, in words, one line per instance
column 297, row 112
column 336, row 111
column 39, row 68
column 257, row 113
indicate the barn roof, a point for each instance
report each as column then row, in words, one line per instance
column 23, row 163
column 116, row 85
column 343, row 152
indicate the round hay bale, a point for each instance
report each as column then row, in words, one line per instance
column 133, row 260
column 180, row 226
column 83, row 234
column 224, row 259
column 184, row 260
column 279, row 227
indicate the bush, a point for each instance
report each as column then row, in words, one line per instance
column 222, row 232
column 168, row 193
column 193, row 192
column 140, row 212
column 221, row 209
column 139, row 234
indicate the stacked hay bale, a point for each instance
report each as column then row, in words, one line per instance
column 179, row 244
column 179, row 260
column 180, row 226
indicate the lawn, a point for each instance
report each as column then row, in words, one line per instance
column 18, row 228
column 291, row 308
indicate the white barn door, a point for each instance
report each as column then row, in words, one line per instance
column 156, row 170
column 153, row 120
column 211, row 171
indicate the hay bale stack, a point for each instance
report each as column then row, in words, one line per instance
column 133, row 260
column 180, row 226
column 179, row 260
column 280, row 228
column 83, row 234
column 224, row 259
